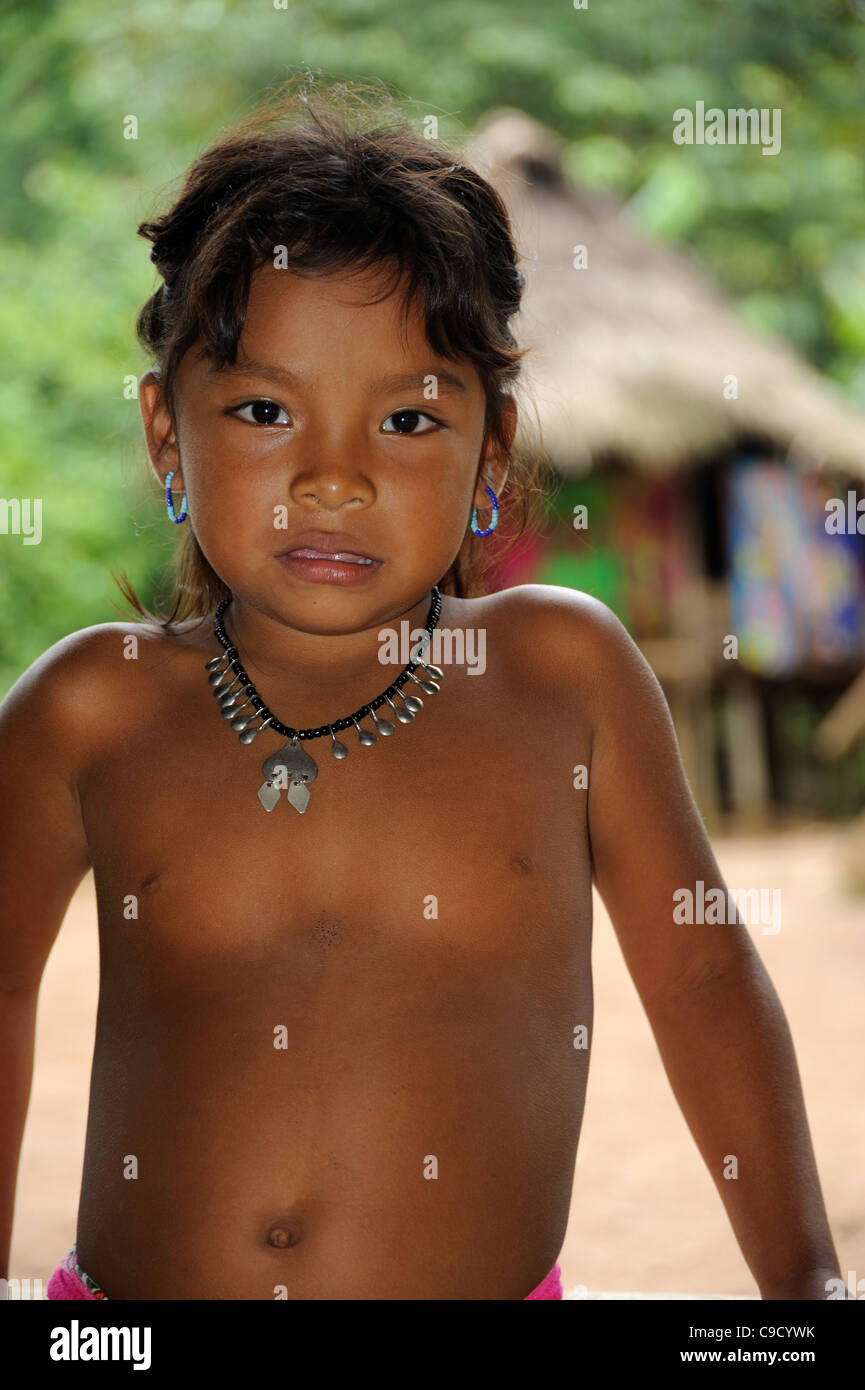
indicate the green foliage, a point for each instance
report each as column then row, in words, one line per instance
column 785, row 234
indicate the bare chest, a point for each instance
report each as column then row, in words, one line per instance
column 462, row 832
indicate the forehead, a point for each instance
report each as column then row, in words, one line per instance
column 321, row 324
column 293, row 314
column 336, row 294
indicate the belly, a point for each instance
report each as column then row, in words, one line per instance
column 353, row 1109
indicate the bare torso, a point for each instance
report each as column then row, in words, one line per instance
column 335, row 1052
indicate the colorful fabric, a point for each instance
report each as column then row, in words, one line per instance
column 69, row 1280
column 797, row 592
column 551, row 1287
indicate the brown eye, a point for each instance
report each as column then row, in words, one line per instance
column 409, row 419
column 266, row 412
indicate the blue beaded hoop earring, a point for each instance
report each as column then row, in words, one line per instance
column 168, row 502
column 495, row 517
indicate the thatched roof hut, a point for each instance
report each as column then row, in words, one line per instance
column 639, row 361
column 633, row 354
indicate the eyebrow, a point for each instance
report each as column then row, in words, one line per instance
column 397, row 381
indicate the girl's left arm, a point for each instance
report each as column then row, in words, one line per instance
column 719, row 1025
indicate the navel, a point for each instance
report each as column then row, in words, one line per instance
column 522, row 863
column 284, row 1233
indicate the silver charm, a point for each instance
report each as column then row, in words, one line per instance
column 294, row 763
column 249, row 734
column 298, row 795
column 423, row 646
column 428, row 687
column 363, row 735
column 405, row 716
column 268, row 795
column 338, row 749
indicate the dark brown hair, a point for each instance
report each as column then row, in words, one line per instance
column 341, row 180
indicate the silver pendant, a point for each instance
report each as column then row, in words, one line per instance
column 292, row 769
column 292, row 765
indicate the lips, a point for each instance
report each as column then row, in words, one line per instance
column 329, row 545
column 344, row 555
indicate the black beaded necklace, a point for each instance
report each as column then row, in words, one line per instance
column 241, row 703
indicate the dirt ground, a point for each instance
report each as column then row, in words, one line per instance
column 645, row 1215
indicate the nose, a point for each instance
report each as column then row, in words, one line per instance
column 332, row 486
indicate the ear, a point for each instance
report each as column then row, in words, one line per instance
column 495, row 461
column 159, row 432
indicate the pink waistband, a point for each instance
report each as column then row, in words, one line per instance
column 551, row 1287
column 66, row 1284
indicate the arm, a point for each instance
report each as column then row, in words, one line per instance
column 715, row 1015
column 43, row 857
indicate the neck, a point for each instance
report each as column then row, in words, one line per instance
column 310, row 678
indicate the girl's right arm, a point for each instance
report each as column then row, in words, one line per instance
column 44, row 744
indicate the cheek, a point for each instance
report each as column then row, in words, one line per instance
column 440, row 516
column 234, row 515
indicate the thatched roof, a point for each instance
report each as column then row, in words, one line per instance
column 631, row 354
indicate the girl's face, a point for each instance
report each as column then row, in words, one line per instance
column 333, row 421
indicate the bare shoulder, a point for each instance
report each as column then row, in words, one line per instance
column 537, row 601
column 79, row 686
column 77, row 665
column 569, row 635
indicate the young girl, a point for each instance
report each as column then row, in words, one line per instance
column 345, row 889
